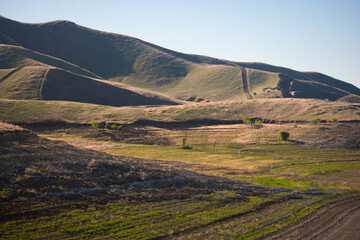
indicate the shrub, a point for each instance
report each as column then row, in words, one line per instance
column 284, row 135
column 333, row 119
column 119, row 127
column 106, row 125
column 258, row 123
column 246, row 120
column 315, row 121
column 113, row 126
column 94, row 124
column 183, row 144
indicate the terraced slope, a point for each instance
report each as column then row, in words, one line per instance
column 135, row 62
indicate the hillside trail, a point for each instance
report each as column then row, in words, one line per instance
column 9, row 74
column 246, row 83
column 337, row 221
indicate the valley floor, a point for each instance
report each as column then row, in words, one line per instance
column 134, row 182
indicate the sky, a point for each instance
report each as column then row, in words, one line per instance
column 304, row 35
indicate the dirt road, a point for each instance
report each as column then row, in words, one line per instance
column 245, row 83
column 337, row 221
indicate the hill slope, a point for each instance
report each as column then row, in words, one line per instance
column 26, row 74
column 48, row 83
column 135, row 62
column 202, row 113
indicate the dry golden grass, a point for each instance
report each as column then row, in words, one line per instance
column 6, row 127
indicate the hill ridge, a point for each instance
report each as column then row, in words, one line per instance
column 141, row 64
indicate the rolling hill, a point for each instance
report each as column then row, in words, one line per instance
column 136, row 63
column 26, row 74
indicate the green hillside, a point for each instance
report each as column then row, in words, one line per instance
column 16, row 86
column 26, row 74
column 18, row 57
column 134, row 62
column 47, row 83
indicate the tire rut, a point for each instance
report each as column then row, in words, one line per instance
column 338, row 221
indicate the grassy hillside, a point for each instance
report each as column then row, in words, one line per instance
column 46, row 83
column 18, row 57
column 25, row 83
column 132, row 61
column 270, row 109
column 26, row 74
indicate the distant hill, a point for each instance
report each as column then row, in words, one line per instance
column 134, row 62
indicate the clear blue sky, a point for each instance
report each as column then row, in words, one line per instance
column 305, row 35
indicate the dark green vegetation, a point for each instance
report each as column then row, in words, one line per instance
column 73, row 49
column 284, row 135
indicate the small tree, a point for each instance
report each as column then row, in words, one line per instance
column 113, row 126
column 94, row 124
column 183, row 144
column 284, row 135
column 106, row 125
column 315, row 121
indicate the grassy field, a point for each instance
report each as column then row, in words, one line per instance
column 256, row 155
column 269, row 109
column 275, row 183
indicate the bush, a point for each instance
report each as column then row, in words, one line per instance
column 333, row 119
column 258, row 123
column 113, row 126
column 315, row 121
column 246, row 120
column 119, row 127
column 106, row 125
column 94, row 124
column 284, row 135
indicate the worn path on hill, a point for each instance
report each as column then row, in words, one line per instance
column 245, row 83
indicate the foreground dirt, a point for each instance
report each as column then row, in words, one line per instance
column 340, row 221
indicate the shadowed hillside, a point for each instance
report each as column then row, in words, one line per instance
column 46, row 83
column 188, row 77
column 81, row 89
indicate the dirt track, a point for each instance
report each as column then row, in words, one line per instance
column 340, row 221
column 245, row 83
